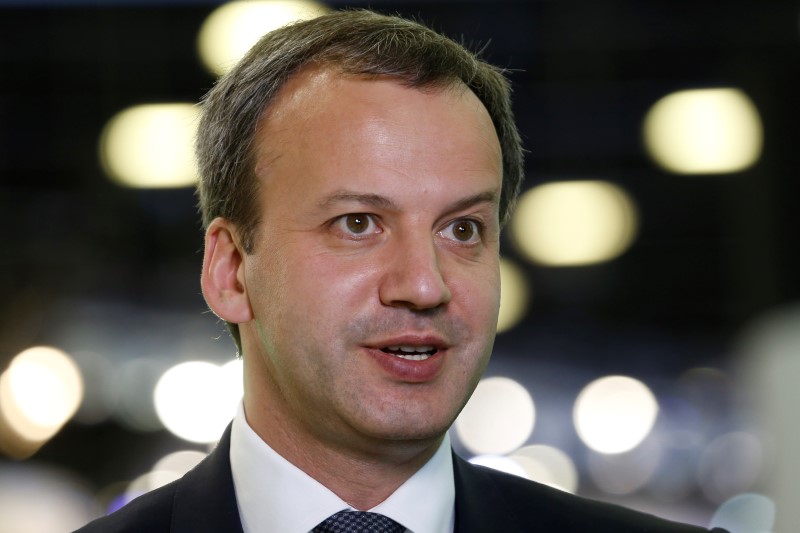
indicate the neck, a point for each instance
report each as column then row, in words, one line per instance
column 362, row 476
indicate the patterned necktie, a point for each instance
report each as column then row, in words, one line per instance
column 358, row 522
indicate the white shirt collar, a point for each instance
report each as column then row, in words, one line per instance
column 274, row 495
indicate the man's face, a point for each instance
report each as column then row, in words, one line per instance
column 374, row 281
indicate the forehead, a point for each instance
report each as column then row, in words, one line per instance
column 316, row 92
column 324, row 124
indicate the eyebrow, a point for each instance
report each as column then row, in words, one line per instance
column 345, row 196
column 487, row 197
column 382, row 202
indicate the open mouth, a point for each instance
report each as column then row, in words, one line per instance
column 410, row 353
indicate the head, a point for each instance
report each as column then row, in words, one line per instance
column 355, row 179
column 355, row 43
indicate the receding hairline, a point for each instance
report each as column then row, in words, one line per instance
column 309, row 73
column 315, row 68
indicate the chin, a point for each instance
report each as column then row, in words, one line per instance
column 413, row 428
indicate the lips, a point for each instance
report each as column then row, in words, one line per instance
column 410, row 358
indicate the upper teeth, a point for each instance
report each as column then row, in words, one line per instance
column 411, row 349
column 411, row 353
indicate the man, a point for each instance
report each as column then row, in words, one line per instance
column 355, row 174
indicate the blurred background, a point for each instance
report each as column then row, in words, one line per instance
column 649, row 343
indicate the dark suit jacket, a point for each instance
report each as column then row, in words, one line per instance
column 487, row 501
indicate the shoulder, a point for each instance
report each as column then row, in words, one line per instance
column 550, row 509
column 204, row 499
column 151, row 512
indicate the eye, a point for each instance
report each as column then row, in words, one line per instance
column 356, row 225
column 463, row 231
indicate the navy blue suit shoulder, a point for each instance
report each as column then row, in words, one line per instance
column 202, row 500
column 150, row 512
column 488, row 500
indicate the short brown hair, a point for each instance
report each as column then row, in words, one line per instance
column 356, row 42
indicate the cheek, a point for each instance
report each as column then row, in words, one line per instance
column 479, row 293
column 265, row 278
column 336, row 278
column 315, row 294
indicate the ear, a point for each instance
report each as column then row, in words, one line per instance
column 222, row 279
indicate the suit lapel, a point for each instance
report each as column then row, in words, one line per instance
column 205, row 499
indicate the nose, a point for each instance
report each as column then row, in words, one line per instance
column 413, row 276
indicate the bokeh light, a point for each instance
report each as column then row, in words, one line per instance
column 514, row 295
column 178, row 463
column 614, row 414
column 37, row 499
column 498, row 418
column 232, row 389
column 501, row 463
column 39, row 392
column 548, row 465
column 574, row 223
column 166, row 470
column 233, row 28
column 716, row 477
column 101, row 392
column 186, row 408
column 704, row 131
column 675, row 477
column 624, row 473
column 151, row 146
column 147, row 482
column 746, row 513
column 770, row 363
column 136, row 380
